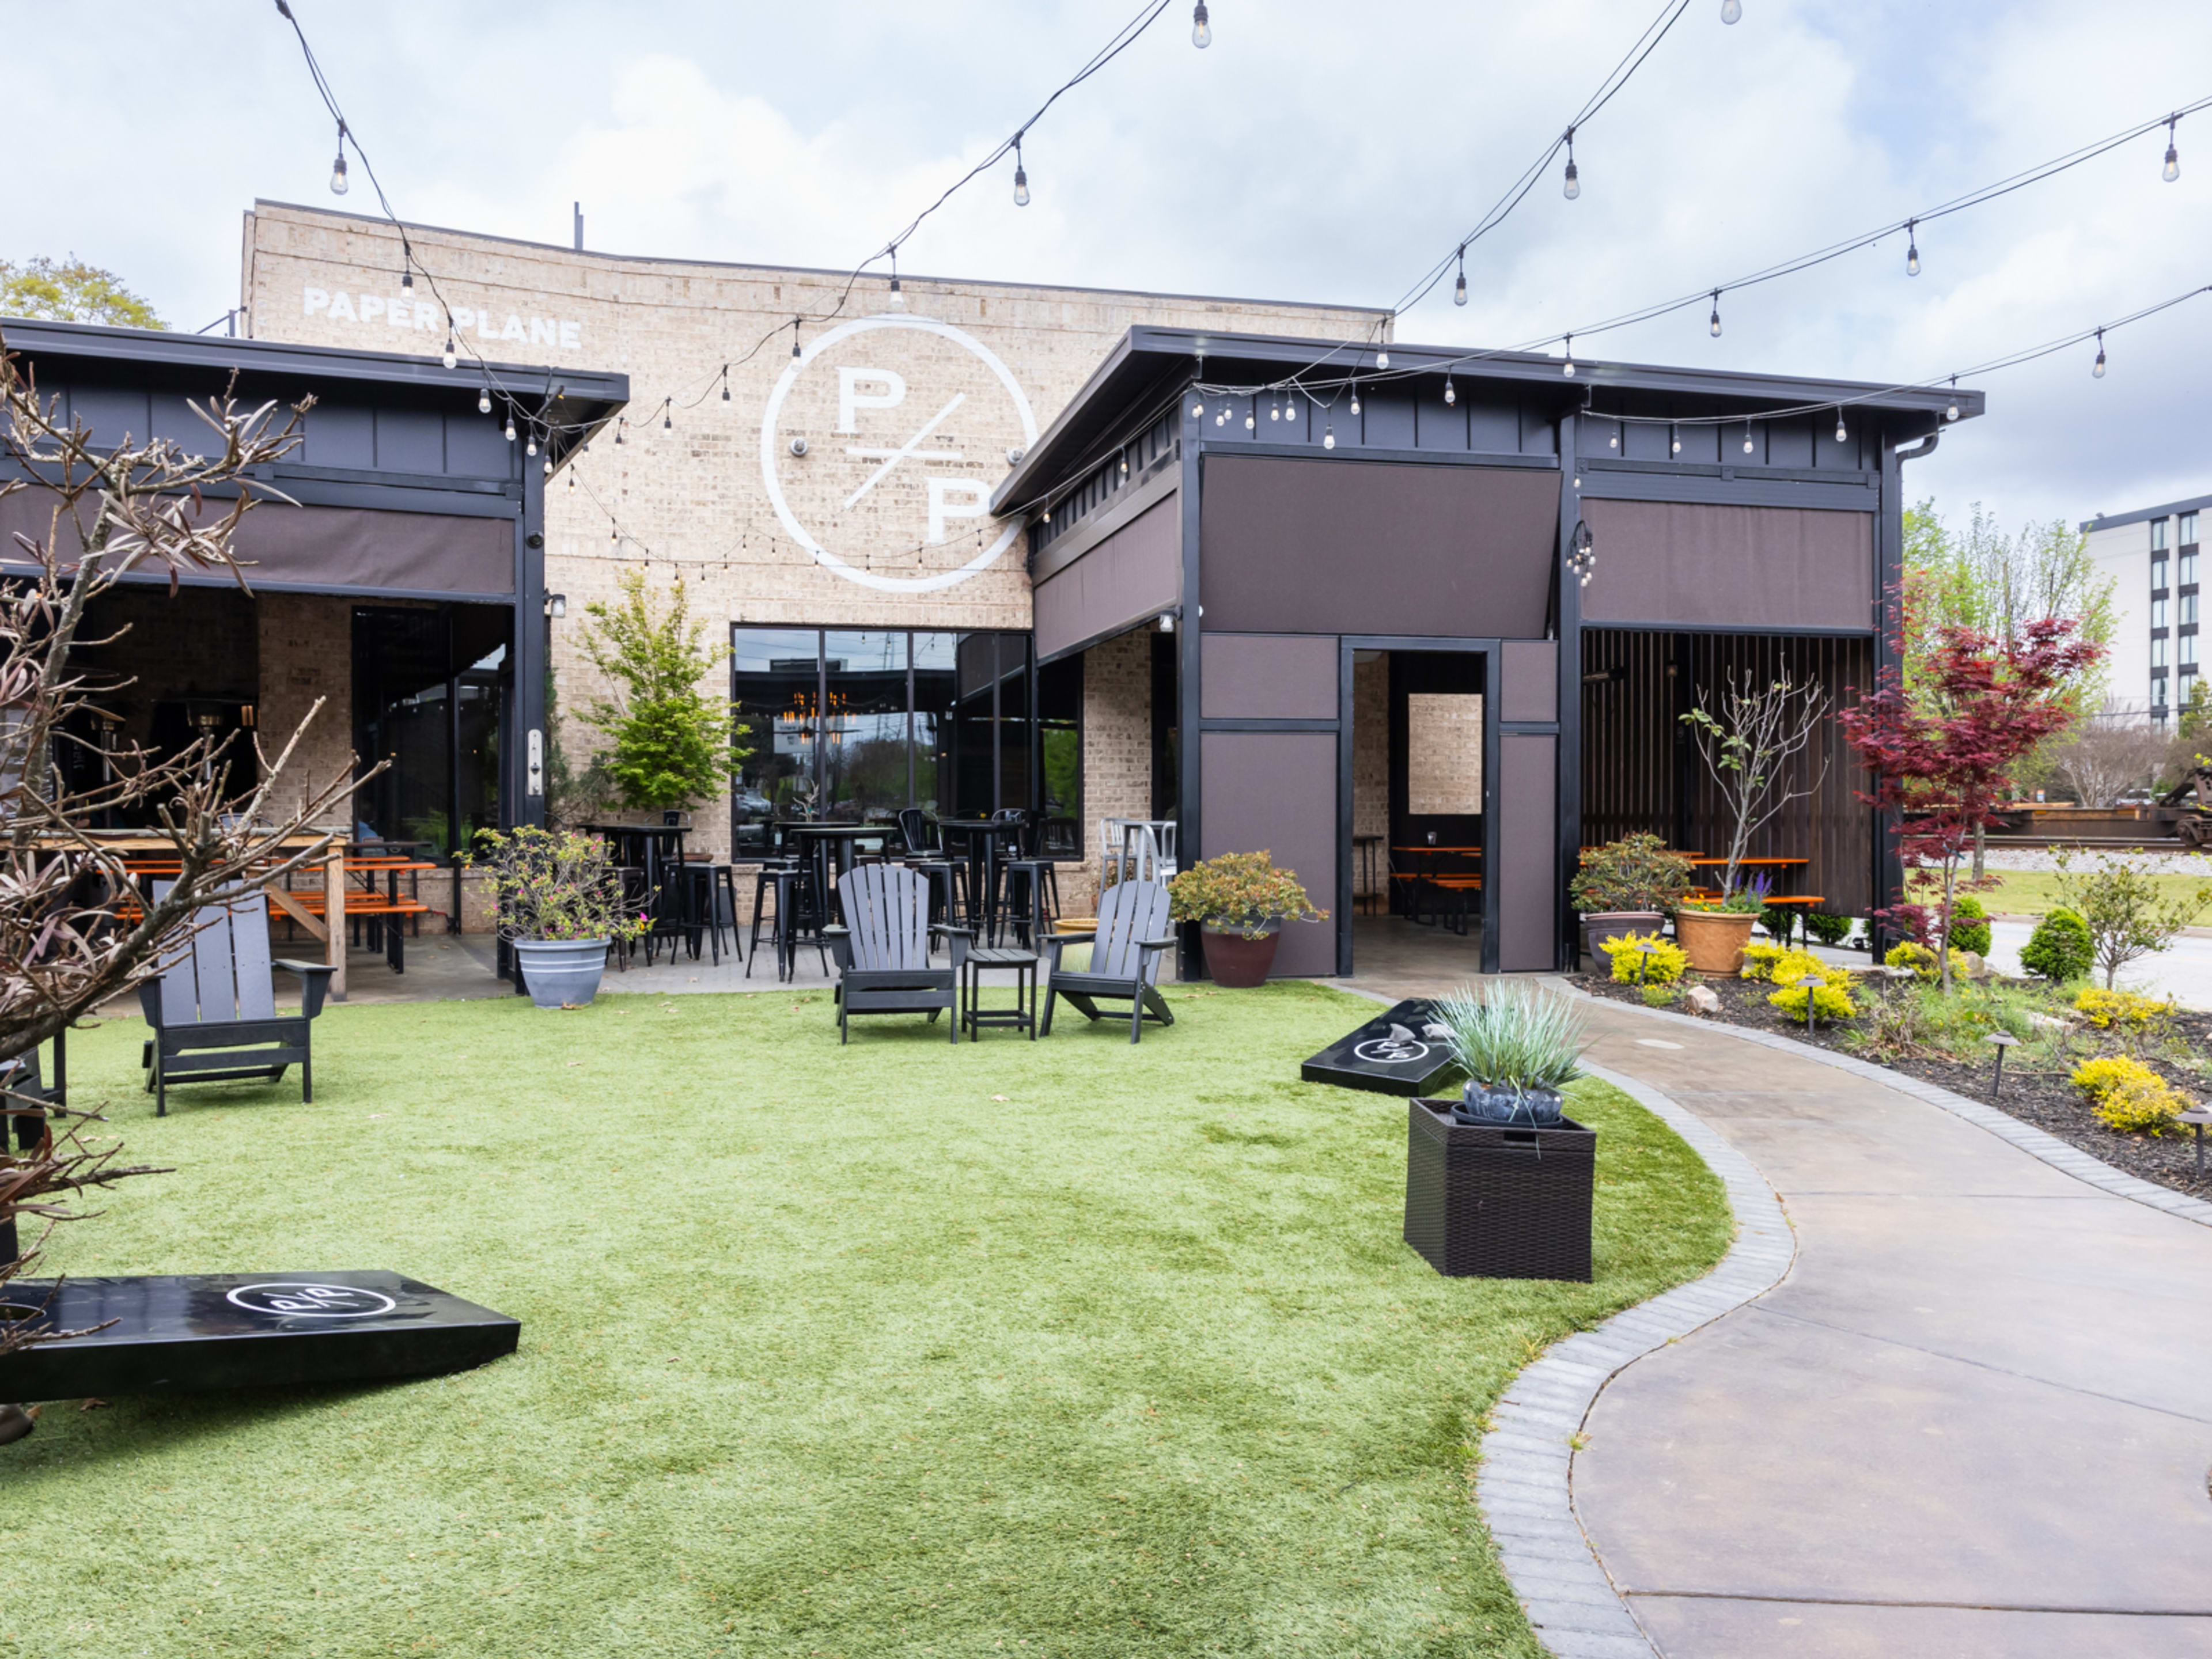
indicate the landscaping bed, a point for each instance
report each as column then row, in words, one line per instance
column 2037, row 1089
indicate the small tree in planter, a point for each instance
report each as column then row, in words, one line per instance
column 559, row 903
column 1628, row 886
column 1240, row 902
column 673, row 744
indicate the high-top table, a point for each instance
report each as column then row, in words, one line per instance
column 984, row 836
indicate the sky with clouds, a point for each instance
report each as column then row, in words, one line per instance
column 1317, row 150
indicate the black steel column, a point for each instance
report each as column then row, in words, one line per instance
column 1568, row 819
column 1189, row 620
column 524, row 801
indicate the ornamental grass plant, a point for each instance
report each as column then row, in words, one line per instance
column 1521, row 1038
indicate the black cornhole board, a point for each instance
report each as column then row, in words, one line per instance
column 219, row 1331
column 1362, row 1060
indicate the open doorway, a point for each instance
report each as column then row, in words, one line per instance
column 1421, row 764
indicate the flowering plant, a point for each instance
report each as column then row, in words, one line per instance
column 554, row 885
column 1240, row 893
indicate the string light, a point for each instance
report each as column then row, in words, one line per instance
column 2172, row 170
column 1731, row 11
column 1912, row 249
column 1951, row 410
column 2098, row 367
column 1747, row 438
column 572, row 483
column 1567, row 369
column 1274, row 409
column 1459, row 287
column 407, row 278
column 1201, row 31
column 1021, row 176
column 546, row 466
column 530, row 448
column 1381, row 359
column 338, row 186
column 1355, row 397
column 1673, row 439
column 614, row 531
column 510, row 427
column 453, row 355
column 1574, row 185
column 1197, row 410
column 1715, row 325
column 1842, row 433
column 484, row 399
column 1450, row 396
column 1328, row 437
column 725, row 383
column 1290, row 404
column 668, row 424
column 795, row 323
column 621, row 421
column 1250, row 421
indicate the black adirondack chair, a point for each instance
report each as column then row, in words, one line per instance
column 214, row 1008
column 882, row 949
column 1125, row 958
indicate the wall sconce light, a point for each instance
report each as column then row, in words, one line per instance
column 556, row 605
column 1166, row 622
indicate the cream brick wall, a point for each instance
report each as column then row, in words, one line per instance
column 306, row 652
column 1117, row 751
column 692, row 499
column 1370, row 762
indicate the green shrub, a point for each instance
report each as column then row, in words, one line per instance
column 1917, row 957
column 2060, row 949
column 1829, row 930
column 1969, row 927
column 1759, row 961
column 1658, row 996
column 1780, row 920
column 1637, row 872
column 1665, row 963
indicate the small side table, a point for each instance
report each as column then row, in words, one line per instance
column 1022, row 1017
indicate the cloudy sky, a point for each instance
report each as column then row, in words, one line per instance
column 1318, row 150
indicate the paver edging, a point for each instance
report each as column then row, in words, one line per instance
column 1524, row 1485
column 2061, row 1155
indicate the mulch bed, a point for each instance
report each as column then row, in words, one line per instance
column 2044, row 1099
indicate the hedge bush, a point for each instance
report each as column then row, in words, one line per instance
column 2060, row 949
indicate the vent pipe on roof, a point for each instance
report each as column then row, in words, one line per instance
column 580, row 227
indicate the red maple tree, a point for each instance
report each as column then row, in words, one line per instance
column 1942, row 758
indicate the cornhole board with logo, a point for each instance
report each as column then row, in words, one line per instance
column 215, row 1331
column 1401, row 1052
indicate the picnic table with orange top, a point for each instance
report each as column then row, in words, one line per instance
column 1801, row 902
column 1428, row 872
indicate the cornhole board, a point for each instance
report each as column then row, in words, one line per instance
column 1394, row 1054
column 220, row 1331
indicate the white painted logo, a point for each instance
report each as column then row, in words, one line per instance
column 484, row 322
column 923, row 410
column 299, row 1301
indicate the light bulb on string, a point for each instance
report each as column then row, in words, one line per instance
column 1021, row 176
column 1290, row 404
column 1731, row 11
column 1747, row 438
column 407, row 278
column 1574, row 184
column 621, row 421
column 1912, row 249
column 1125, row 466
column 666, row 423
column 1450, row 396
column 1459, row 287
column 1381, row 359
column 1568, row 367
column 1842, row 433
column 725, row 383
column 1714, row 326
column 1196, row 410
column 614, row 533
column 510, row 428
column 898, row 298
column 1355, row 397
column 2098, row 367
column 1274, row 409
column 795, row 323
column 546, row 466
column 1221, row 418
column 452, row 353
column 338, row 186
column 1250, row 421
column 1673, row 441
column 2172, row 169
column 1201, row 30
column 1328, row 436
column 484, row 401
column 1951, row 410
column 572, row 483
column 530, row 447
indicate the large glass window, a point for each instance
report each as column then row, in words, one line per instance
column 1059, row 754
column 2157, row 650
column 2186, row 575
column 2158, row 535
column 2185, row 609
column 2185, row 535
column 2184, row 651
column 2158, row 613
column 2158, row 575
column 430, row 693
column 862, row 723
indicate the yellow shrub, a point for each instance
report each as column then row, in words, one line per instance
column 2110, row 1008
column 1917, row 957
column 1758, row 960
column 1830, row 993
column 2140, row 1108
column 1794, row 965
column 2130, row 1095
column 1667, row 963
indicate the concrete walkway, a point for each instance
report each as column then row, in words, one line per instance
column 1975, row 1418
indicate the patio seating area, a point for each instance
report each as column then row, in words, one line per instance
column 1129, row 1357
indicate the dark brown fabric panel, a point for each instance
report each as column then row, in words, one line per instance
column 1359, row 547
column 1135, row 573
column 1641, row 772
column 349, row 549
column 1527, row 854
column 1277, row 791
column 1529, row 680
column 1277, row 677
column 1693, row 565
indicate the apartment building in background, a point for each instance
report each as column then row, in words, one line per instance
column 2151, row 554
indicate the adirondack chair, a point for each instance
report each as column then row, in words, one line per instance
column 882, row 949
column 213, row 1009
column 1125, row 957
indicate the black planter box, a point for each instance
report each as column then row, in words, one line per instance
column 1496, row 1202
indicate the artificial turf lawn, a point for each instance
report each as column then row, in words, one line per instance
column 1053, row 1348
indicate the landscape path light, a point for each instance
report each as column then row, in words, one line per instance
column 2196, row 1117
column 2000, row 1041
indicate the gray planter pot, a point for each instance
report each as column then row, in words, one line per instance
column 561, row 973
column 1599, row 926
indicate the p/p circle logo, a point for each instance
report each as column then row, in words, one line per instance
column 290, row 1300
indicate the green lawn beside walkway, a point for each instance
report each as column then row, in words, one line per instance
column 1053, row 1349
column 2034, row 892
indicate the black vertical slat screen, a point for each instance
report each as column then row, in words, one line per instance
column 1641, row 771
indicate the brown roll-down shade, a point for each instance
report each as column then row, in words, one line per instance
column 1131, row 576
column 1276, row 791
column 1688, row 565
column 340, row 550
column 1362, row 547
column 1527, row 854
column 1282, row 677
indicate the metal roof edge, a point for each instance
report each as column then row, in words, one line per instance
column 2145, row 515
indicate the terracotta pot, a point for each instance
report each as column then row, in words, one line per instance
column 1599, row 926
column 1714, row 940
column 1236, row 961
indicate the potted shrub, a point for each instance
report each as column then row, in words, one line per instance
column 1240, row 902
column 1627, row 886
column 1713, row 932
column 559, row 903
column 1499, row 1182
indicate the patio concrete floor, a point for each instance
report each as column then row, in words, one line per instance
column 1972, row 1420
